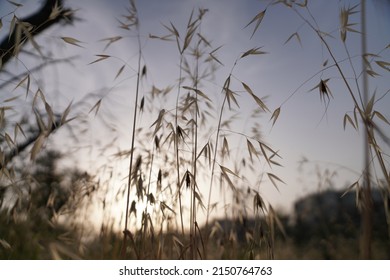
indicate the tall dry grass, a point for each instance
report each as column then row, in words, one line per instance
column 185, row 147
column 174, row 202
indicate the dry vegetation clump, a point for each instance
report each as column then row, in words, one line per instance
column 191, row 145
column 187, row 145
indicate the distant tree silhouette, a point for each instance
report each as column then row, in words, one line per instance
column 51, row 12
column 34, row 194
column 40, row 21
column 30, row 223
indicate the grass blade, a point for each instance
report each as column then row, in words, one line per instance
column 258, row 18
column 274, row 179
column 72, row 41
column 101, row 57
column 275, row 115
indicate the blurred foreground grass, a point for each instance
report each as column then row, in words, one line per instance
column 323, row 226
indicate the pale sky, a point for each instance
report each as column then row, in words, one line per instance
column 303, row 128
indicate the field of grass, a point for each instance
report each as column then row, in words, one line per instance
column 187, row 147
